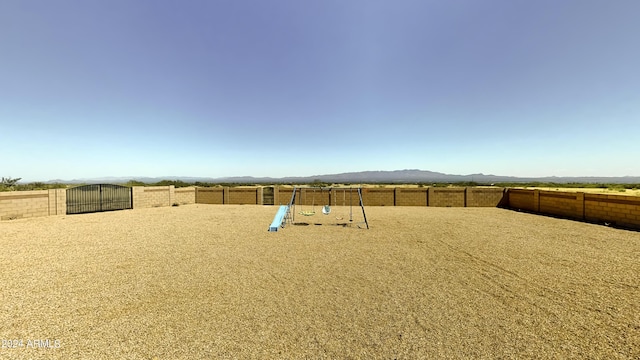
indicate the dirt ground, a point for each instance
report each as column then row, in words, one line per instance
column 209, row 281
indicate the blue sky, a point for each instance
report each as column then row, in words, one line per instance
column 296, row 88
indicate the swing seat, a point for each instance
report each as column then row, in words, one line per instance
column 326, row 210
column 307, row 213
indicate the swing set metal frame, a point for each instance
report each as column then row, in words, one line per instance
column 326, row 209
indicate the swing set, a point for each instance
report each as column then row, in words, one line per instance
column 299, row 198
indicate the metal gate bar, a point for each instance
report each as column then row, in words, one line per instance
column 98, row 197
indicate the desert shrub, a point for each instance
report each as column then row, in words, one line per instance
column 131, row 183
column 8, row 184
column 175, row 183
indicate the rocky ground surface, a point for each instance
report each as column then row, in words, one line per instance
column 209, row 281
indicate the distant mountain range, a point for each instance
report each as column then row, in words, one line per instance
column 363, row 177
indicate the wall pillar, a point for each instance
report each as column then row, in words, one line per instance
column 466, row 192
column 57, row 201
column 62, row 201
column 505, row 198
column 580, row 205
column 136, row 192
column 536, row 200
column 430, row 195
column 259, row 195
column 225, row 195
column 172, row 195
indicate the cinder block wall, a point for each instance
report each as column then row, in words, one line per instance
column 375, row 197
column 282, row 195
column 619, row 210
column 345, row 197
column 522, row 199
column 184, row 196
column 209, row 196
column 398, row 196
column 152, row 196
column 243, row 196
column 561, row 204
column 25, row 204
column 310, row 196
column 616, row 209
column 485, row 197
column 57, row 201
column 411, row 197
column 447, row 197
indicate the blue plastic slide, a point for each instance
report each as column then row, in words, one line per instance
column 279, row 218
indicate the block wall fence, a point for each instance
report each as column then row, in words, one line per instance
column 618, row 210
column 157, row 196
column 25, row 204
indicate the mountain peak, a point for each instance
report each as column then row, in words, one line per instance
column 362, row 177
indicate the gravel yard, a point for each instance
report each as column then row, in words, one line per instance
column 209, row 281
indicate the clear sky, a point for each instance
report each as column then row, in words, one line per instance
column 296, row 88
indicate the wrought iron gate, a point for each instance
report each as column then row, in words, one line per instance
column 98, row 197
column 267, row 195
